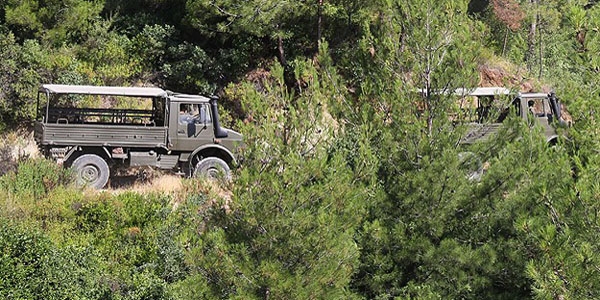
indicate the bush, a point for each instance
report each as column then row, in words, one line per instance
column 34, row 177
column 32, row 267
column 7, row 162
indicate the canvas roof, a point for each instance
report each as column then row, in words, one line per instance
column 534, row 95
column 104, row 90
column 477, row 92
column 483, row 91
column 187, row 97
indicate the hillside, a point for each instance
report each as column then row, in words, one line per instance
column 351, row 185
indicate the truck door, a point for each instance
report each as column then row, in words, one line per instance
column 194, row 126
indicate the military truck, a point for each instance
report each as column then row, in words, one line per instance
column 484, row 109
column 171, row 131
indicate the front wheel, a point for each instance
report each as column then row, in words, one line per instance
column 471, row 164
column 212, row 168
column 91, row 170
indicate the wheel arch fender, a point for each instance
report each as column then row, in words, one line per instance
column 215, row 151
column 78, row 151
column 552, row 140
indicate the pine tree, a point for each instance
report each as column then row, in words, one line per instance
column 288, row 231
column 435, row 233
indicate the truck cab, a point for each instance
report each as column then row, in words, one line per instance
column 195, row 132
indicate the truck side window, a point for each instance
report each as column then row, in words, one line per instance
column 186, row 114
column 531, row 107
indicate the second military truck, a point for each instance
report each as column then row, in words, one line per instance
column 493, row 104
column 172, row 131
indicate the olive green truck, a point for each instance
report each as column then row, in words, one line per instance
column 171, row 131
column 483, row 110
column 493, row 104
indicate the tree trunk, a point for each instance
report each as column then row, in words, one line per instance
column 319, row 24
column 282, row 59
column 505, row 42
column 529, row 59
column 541, row 58
column 429, row 102
column 288, row 72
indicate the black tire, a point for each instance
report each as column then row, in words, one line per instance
column 212, row 168
column 91, row 170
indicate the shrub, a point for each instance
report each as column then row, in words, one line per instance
column 34, row 177
column 32, row 267
column 7, row 162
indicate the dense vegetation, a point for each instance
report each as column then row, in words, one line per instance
column 350, row 186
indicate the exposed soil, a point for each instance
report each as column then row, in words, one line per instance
column 490, row 76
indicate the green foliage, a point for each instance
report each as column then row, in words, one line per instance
column 29, row 64
column 32, row 267
column 439, row 234
column 351, row 183
column 21, row 16
column 34, row 178
column 288, row 231
column 18, row 79
column 118, row 247
column 180, row 66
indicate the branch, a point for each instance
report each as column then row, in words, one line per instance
column 221, row 10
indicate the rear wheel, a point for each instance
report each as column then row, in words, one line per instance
column 91, row 170
column 212, row 168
